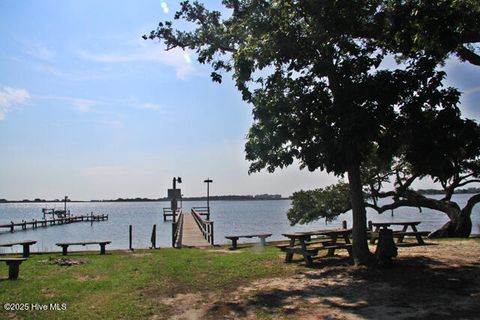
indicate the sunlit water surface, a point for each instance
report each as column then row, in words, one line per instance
column 230, row 218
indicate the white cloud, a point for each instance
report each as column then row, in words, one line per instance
column 116, row 122
column 149, row 106
column 83, row 105
column 165, row 7
column 472, row 90
column 11, row 97
column 38, row 50
column 175, row 58
column 80, row 104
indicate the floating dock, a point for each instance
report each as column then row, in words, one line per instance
column 34, row 224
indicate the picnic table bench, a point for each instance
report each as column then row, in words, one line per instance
column 65, row 245
column 26, row 246
column 305, row 244
column 13, row 266
column 262, row 237
column 399, row 234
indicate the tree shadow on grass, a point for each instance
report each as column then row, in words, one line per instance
column 413, row 288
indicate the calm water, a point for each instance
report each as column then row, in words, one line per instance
column 230, row 217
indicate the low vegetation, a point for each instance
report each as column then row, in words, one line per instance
column 130, row 285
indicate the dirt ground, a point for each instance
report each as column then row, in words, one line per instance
column 440, row 280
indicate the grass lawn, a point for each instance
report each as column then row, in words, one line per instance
column 131, row 285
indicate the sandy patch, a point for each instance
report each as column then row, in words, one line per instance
column 437, row 281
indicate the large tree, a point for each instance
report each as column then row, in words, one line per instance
column 314, row 82
column 450, row 158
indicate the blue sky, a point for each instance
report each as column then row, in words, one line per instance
column 91, row 110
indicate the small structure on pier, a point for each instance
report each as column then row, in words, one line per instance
column 60, row 214
column 173, row 194
column 55, row 213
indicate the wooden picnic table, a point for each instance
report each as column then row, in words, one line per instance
column 304, row 243
column 26, row 246
column 399, row 234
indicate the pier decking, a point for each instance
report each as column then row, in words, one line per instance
column 50, row 222
column 192, row 236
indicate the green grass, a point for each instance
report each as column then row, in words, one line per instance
column 131, row 286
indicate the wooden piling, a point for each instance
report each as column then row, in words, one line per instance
column 154, row 237
column 130, row 236
column 211, row 232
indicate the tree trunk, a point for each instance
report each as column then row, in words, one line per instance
column 460, row 224
column 361, row 253
column 460, row 227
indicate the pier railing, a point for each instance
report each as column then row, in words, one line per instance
column 167, row 212
column 177, row 229
column 203, row 211
column 206, row 226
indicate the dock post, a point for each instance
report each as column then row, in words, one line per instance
column 211, row 231
column 174, row 229
column 130, row 237
column 154, row 237
column 344, row 224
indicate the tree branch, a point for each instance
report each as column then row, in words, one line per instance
column 468, row 182
column 415, row 200
column 466, row 54
column 471, row 203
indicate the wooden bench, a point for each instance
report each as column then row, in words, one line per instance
column 13, row 266
column 306, row 253
column 262, row 237
column 26, row 246
column 333, row 247
column 65, row 245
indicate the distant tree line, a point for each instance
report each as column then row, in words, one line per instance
column 139, row 199
column 34, row 200
column 212, row 198
column 458, row 191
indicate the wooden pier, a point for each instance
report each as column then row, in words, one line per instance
column 34, row 224
column 192, row 235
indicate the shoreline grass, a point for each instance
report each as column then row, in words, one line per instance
column 131, row 285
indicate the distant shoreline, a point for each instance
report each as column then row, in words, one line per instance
column 144, row 200
column 263, row 197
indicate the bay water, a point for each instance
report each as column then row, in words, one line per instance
column 230, row 218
